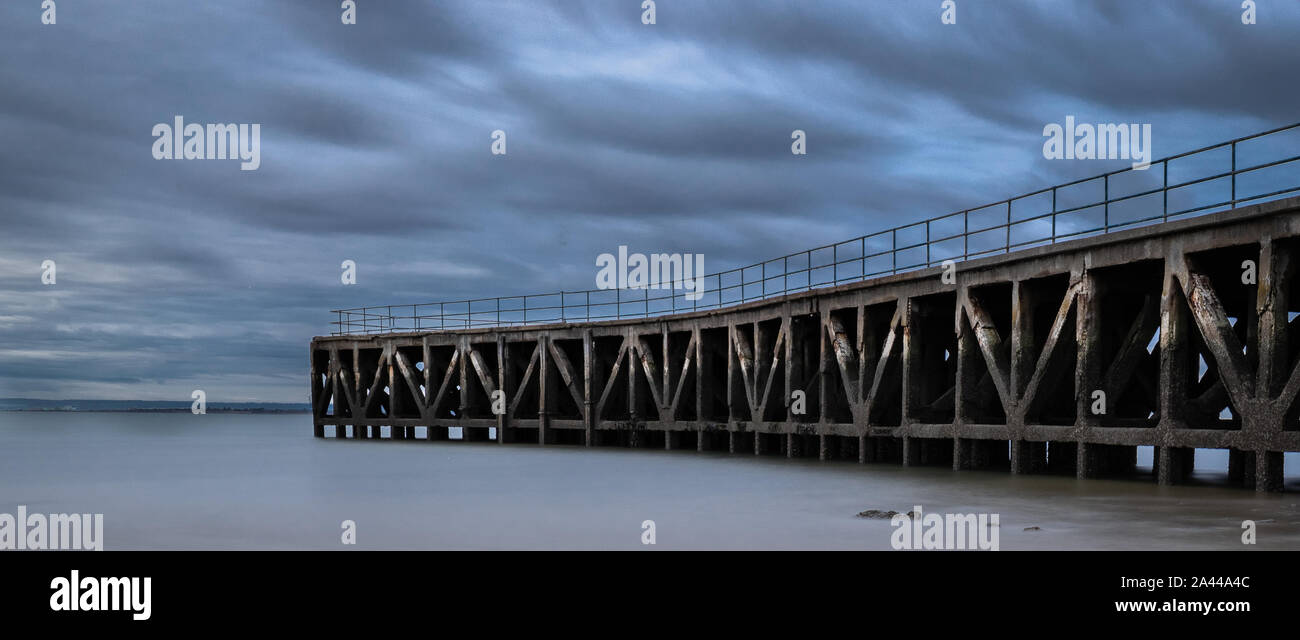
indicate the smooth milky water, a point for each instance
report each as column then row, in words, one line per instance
column 248, row 481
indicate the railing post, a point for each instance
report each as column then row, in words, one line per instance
column 1164, row 191
column 1008, row 226
column 1234, row 173
column 1053, row 215
column 893, row 250
column 1105, row 219
column 965, row 235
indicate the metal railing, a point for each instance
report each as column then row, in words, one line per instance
column 1041, row 217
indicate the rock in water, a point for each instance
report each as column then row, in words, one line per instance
column 873, row 513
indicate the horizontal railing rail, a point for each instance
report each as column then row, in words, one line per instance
column 1063, row 213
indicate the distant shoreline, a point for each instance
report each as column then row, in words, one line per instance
column 158, row 410
column 83, row 405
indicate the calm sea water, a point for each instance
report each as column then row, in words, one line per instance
column 230, row 481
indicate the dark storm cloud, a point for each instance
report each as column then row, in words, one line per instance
column 176, row 275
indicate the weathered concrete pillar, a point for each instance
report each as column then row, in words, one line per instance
column 588, row 389
column 1175, row 464
column 672, row 440
column 1268, row 471
column 1019, row 457
column 1088, row 373
column 1087, row 463
column 318, row 430
column 793, row 446
column 547, row 388
column 968, row 454
column 866, row 449
column 1277, row 267
column 824, row 445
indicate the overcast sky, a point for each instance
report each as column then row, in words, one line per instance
column 675, row 137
